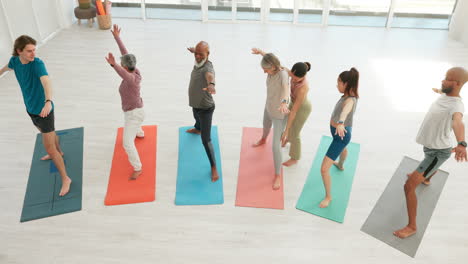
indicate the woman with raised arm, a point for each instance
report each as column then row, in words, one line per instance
column 132, row 104
column 276, row 107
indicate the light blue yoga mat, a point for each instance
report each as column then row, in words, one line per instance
column 42, row 193
column 314, row 190
column 194, row 186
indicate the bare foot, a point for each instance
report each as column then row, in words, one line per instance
column 341, row 168
column 194, row 131
column 277, row 182
column 140, row 135
column 65, row 186
column 135, row 175
column 405, row 232
column 214, row 174
column 325, row 202
column 290, row 162
column 425, row 182
column 47, row 157
column 259, row 143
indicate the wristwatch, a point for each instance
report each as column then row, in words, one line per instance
column 48, row 100
column 463, row 143
column 341, row 122
column 212, row 83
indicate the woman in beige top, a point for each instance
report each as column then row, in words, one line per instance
column 276, row 107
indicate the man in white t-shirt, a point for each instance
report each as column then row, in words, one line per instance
column 445, row 115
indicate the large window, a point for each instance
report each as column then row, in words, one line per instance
column 282, row 10
column 174, row 9
column 359, row 12
column 249, row 10
column 423, row 13
column 434, row 14
column 220, row 9
column 126, row 8
column 310, row 11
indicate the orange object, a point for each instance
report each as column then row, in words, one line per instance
column 256, row 173
column 100, row 8
column 120, row 189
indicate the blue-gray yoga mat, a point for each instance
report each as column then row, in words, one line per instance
column 389, row 214
column 42, row 193
column 194, row 186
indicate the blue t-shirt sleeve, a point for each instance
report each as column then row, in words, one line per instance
column 40, row 69
column 12, row 62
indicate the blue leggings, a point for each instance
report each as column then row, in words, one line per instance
column 338, row 145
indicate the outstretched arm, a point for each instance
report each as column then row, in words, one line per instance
column 258, row 51
column 4, row 69
column 459, row 130
column 116, row 33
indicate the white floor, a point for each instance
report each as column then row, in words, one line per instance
column 398, row 69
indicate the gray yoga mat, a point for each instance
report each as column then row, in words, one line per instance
column 389, row 214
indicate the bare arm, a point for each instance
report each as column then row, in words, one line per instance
column 116, row 34
column 347, row 107
column 459, row 130
column 301, row 96
column 45, row 81
column 258, row 51
column 4, row 69
column 210, row 78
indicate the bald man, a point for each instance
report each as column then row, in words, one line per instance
column 201, row 89
column 445, row 115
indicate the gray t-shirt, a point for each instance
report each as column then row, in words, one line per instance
column 197, row 97
column 436, row 129
column 277, row 90
column 339, row 108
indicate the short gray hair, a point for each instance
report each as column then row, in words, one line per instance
column 269, row 60
column 129, row 61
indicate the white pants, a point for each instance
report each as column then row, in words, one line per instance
column 132, row 128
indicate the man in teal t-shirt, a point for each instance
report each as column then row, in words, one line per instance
column 35, row 85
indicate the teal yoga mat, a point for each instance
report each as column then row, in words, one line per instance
column 194, row 186
column 42, row 193
column 314, row 191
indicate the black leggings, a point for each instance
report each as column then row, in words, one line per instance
column 203, row 119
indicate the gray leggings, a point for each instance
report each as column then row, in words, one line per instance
column 278, row 128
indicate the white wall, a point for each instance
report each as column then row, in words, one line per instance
column 38, row 18
column 5, row 38
column 459, row 23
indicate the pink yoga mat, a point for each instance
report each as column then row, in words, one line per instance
column 256, row 173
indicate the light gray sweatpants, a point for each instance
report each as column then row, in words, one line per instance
column 278, row 128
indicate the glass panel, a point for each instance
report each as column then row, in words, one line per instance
column 174, row 9
column 220, row 9
column 359, row 12
column 310, row 11
column 423, row 13
column 281, row 10
column 126, row 8
column 249, row 9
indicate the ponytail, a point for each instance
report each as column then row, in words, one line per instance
column 351, row 79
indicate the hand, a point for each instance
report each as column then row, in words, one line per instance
column 257, row 51
column 437, row 90
column 110, row 59
column 191, row 49
column 46, row 109
column 341, row 131
column 284, row 108
column 116, row 31
column 284, row 138
column 460, row 153
column 210, row 89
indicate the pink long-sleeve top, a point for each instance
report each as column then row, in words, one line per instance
column 130, row 86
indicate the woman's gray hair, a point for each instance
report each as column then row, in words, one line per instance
column 129, row 61
column 270, row 60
